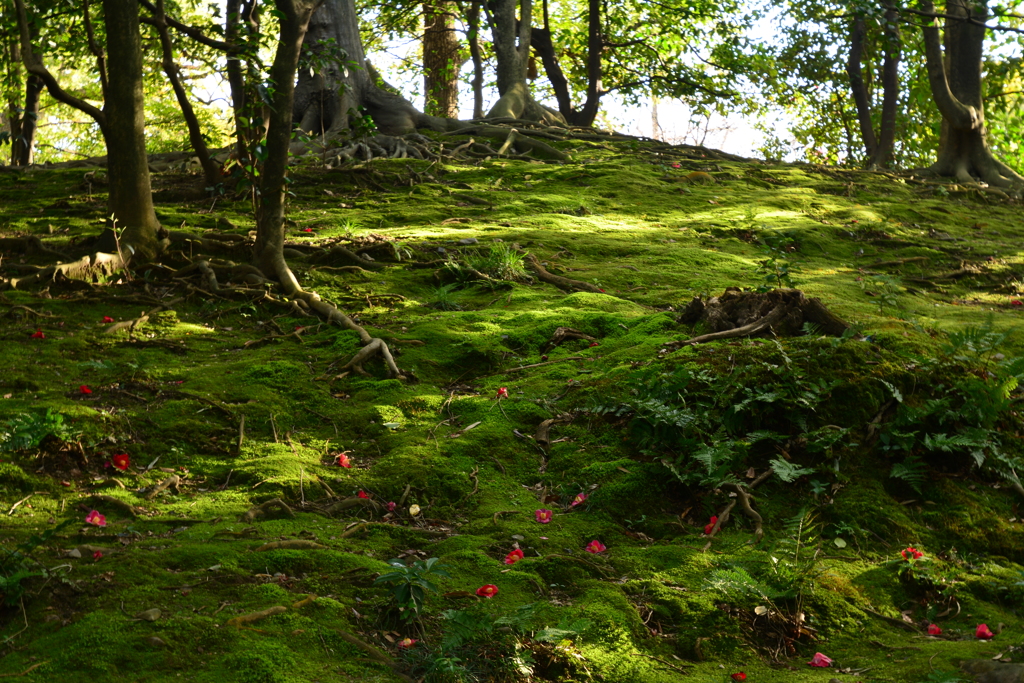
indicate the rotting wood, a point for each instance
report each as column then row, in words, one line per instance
column 291, row 544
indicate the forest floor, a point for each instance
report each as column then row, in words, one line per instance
column 902, row 433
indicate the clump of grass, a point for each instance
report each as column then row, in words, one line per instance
column 502, row 262
column 444, row 298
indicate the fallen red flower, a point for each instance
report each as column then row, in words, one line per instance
column 107, row 319
column 580, row 497
column 709, row 527
column 362, row 494
column 911, row 553
column 38, row 334
column 502, row 393
column 738, row 676
column 820, row 660
column 543, row 516
column 84, row 389
column 934, row 630
column 341, row 460
column 514, row 556
column 595, row 547
column 121, row 461
column 487, row 591
column 407, row 642
column 983, row 632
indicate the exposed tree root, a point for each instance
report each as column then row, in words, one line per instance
column 562, row 283
column 563, row 334
column 239, row 621
column 87, row 269
column 291, row 544
column 541, row 436
column 376, row 654
column 782, row 312
column 263, row 509
column 171, row 481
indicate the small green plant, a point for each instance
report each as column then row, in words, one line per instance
column 26, row 431
column 501, row 262
column 444, row 298
column 17, row 565
column 777, row 268
column 411, row 583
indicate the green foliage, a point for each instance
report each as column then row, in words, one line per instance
column 501, row 262
column 26, row 431
column 17, row 565
column 444, row 299
column 777, row 268
column 411, row 583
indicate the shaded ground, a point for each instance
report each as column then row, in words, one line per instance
column 242, row 403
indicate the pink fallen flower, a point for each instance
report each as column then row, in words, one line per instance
column 407, row 642
column 502, row 393
column 391, row 506
column 580, row 497
column 983, row 632
column 342, row 460
column 95, row 518
column 934, row 630
column 593, row 344
column 514, row 556
column 96, row 556
column 543, row 516
column 820, row 660
column 487, row 590
column 595, row 547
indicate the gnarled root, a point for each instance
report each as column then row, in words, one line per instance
column 563, row 283
column 745, row 314
column 563, row 334
column 374, row 348
column 87, row 268
column 262, row 509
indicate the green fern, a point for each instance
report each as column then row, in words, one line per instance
column 911, row 470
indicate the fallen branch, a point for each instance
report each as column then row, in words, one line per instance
column 262, row 509
column 563, row 283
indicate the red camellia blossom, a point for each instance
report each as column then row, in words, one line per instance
column 820, row 660
column 983, row 632
column 911, row 553
column 121, row 461
column 95, row 518
column 738, row 676
column 391, row 506
column 487, row 591
column 580, row 497
column 595, row 547
column 514, row 556
column 1017, row 302
column 307, row 230
column 107, row 319
column 711, row 525
column 96, row 556
column 407, row 642
column 38, row 334
column 362, row 494
column 502, row 393
column 934, row 630
column 593, row 344
column 85, row 389
column 341, row 460
column 543, row 516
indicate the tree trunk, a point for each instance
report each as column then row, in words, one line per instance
column 130, row 196
column 878, row 148
column 441, row 59
column 294, row 17
column 473, row 20
column 23, row 150
column 330, row 94
column 956, row 88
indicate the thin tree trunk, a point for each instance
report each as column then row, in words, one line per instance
column 885, row 151
column 854, row 69
column 211, row 170
column 24, row 143
column 236, row 79
column 473, row 19
column 441, row 59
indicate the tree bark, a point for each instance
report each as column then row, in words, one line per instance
column 473, row 20
column 211, row 170
column 956, row 88
column 441, row 59
column 854, row 69
column 879, row 149
column 124, row 131
column 23, row 143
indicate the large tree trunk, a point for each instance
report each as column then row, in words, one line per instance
column 327, row 98
column 130, row 197
column 956, row 88
column 441, row 59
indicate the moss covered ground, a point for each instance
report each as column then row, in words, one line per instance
column 216, row 392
